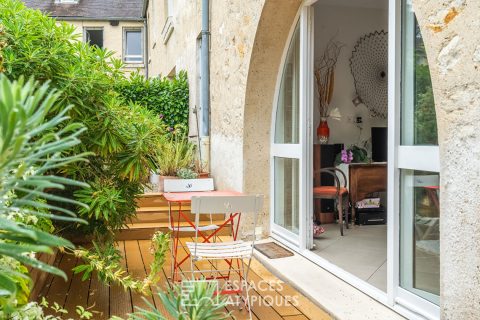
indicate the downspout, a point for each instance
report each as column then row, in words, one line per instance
column 145, row 42
column 146, row 47
column 205, row 83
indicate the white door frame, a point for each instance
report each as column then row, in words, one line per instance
column 299, row 151
column 425, row 158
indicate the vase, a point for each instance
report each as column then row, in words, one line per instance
column 323, row 131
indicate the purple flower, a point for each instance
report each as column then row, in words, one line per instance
column 170, row 129
column 346, row 156
column 161, row 116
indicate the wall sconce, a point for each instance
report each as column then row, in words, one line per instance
column 357, row 100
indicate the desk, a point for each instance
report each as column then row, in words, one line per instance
column 180, row 198
column 366, row 178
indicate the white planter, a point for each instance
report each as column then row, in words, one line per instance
column 161, row 184
column 188, row 185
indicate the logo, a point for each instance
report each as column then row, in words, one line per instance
column 189, row 296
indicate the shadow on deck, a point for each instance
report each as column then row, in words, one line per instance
column 273, row 299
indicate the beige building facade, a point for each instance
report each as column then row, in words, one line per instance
column 118, row 26
column 114, row 39
column 249, row 53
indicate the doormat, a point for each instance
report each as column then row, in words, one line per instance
column 273, row 251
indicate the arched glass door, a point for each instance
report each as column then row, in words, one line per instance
column 290, row 125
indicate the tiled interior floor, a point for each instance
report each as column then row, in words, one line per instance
column 362, row 251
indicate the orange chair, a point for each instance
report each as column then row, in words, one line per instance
column 337, row 193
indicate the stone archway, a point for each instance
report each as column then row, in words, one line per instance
column 270, row 41
column 450, row 29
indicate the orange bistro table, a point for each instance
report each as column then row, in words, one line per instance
column 182, row 198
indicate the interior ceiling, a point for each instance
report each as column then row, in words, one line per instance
column 379, row 4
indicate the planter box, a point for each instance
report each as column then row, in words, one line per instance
column 188, row 185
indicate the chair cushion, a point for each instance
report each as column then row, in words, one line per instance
column 328, row 191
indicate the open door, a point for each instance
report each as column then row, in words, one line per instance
column 291, row 127
column 414, row 175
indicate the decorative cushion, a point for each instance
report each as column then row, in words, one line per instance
column 328, row 191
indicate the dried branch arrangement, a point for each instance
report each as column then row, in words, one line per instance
column 325, row 75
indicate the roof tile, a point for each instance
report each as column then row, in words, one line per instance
column 91, row 9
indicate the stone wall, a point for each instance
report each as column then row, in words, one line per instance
column 242, row 84
column 179, row 51
column 112, row 37
column 450, row 29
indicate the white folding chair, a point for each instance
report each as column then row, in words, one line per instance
column 237, row 250
column 184, row 185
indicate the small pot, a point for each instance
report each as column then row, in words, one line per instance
column 203, row 175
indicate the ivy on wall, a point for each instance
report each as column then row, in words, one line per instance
column 167, row 97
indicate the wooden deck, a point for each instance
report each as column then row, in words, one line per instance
column 106, row 301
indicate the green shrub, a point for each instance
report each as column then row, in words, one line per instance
column 202, row 302
column 31, row 147
column 168, row 98
column 123, row 138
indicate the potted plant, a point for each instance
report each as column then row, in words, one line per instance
column 175, row 154
column 354, row 154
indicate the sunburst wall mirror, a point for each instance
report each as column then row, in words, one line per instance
column 369, row 66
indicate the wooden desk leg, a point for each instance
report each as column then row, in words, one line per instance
column 345, row 204
column 353, row 215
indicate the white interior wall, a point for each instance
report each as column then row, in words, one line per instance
column 347, row 24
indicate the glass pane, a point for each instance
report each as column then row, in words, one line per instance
column 94, row 37
column 133, row 50
column 286, row 122
column 419, row 123
column 420, row 233
column 287, row 193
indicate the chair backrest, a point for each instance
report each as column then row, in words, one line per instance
column 188, row 185
column 227, row 205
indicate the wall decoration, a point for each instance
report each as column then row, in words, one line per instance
column 369, row 66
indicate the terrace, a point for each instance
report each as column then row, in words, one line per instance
column 105, row 301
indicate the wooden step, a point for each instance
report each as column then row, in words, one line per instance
column 162, row 208
column 151, row 200
column 150, row 217
column 145, row 230
column 146, row 225
column 158, row 216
